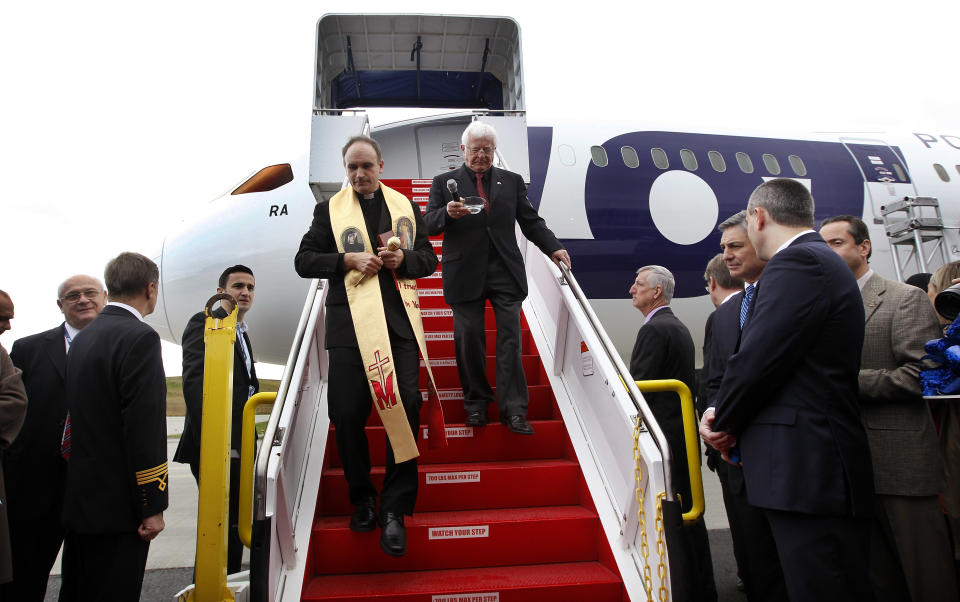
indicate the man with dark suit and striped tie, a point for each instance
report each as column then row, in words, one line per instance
column 34, row 467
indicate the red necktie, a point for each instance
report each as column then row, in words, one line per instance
column 65, row 440
column 482, row 192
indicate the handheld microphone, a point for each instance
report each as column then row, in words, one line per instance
column 454, row 188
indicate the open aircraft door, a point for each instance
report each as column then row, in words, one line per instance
column 885, row 175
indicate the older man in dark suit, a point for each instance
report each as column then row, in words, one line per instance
column 117, row 468
column 910, row 556
column 788, row 400
column 34, row 467
column 237, row 281
column 481, row 261
column 664, row 349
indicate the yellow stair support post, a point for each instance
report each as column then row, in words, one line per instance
column 248, row 442
column 220, row 332
column 690, row 434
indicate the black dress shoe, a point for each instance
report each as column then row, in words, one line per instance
column 476, row 419
column 393, row 537
column 517, row 424
column 364, row 516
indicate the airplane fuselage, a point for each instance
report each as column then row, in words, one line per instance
column 617, row 195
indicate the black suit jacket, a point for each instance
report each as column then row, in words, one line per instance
column 466, row 241
column 116, row 395
column 188, row 450
column 35, row 472
column 664, row 349
column 318, row 258
column 723, row 343
column 790, row 392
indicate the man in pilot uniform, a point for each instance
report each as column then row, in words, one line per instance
column 117, row 468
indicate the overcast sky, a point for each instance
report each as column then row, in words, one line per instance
column 116, row 118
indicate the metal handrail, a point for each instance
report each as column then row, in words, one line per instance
column 248, row 440
column 689, row 436
column 643, row 410
column 263, row 459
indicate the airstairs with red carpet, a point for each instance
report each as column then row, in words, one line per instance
column 500, row 516
column 572, row 512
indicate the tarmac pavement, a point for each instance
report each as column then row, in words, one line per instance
column 170, row 562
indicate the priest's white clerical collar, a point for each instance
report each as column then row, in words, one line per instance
column 368, row 195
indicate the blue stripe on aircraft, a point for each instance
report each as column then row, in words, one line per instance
column 617, row 202
column 539, row 140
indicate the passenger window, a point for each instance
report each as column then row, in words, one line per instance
column 900, row 173
column 659, row 158
column 567, row 155
column 796, row 164
column 958, row 168
column 630, row 157
column 772, row 165
column 743, row 160
column 689, row 159
column 599, row 156
column 716, row 161
column 941, row 172
column 268, row 178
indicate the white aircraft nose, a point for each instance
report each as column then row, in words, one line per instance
column 158, row 319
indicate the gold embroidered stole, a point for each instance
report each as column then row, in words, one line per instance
column 369, row 319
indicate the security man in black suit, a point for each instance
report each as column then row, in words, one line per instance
column 348, row 394
column 753, row 544
column 664, row 350
column 117, row 468
column 34, row 467
column 787, row 403
column 481, row 261
column 237, row 281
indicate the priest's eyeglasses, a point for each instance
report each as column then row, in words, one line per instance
column 74, row 296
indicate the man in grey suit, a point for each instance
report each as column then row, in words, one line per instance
column 910, row 555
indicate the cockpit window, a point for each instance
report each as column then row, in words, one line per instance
column 660, row 158
column 630, row 158
column 268, row 178
column 689, row 159
column 599, row 156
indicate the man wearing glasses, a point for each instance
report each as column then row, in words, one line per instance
column 34, row 469
column 481, row 261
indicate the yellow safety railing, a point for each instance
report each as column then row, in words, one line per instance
column 220, row 332
column 248, row 442
column 690, row 435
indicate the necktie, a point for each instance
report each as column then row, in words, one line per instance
column 65, row 438
column 745, row 306
column 482, row 192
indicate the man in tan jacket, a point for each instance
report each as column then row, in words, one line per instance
column 910, row 555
